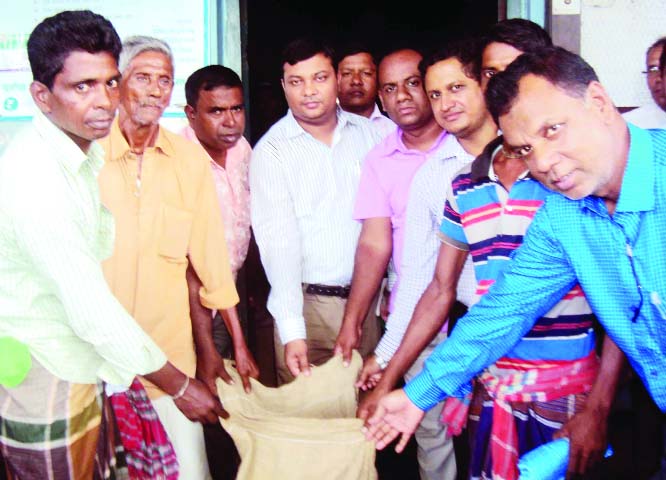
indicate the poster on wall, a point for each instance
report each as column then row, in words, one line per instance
column 183, row 25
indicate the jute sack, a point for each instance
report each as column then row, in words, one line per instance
column 303, row 430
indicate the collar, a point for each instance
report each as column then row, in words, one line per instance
column 118, row 145
column 68, row 153
column 376, row 113
column 483, row 164
column 293, row 129
column 638, row 178
column 394, row 143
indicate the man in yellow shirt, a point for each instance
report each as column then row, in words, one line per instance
column 160, row 190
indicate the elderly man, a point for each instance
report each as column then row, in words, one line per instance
column 53, row 234
column 600, row 230
column 357, row 86
column 159, row 188
column 652, row 115
column 303, row 177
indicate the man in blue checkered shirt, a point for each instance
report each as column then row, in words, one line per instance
column 605, row 231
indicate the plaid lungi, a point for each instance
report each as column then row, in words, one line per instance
column 57, row 430
column 148, row 450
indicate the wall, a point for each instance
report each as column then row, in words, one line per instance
column 614, row 37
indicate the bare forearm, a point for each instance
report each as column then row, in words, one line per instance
column 604, row 388
column 232, row 322
column 369, row 266
column 428, row 318
column 202, row 322
column 168, row 378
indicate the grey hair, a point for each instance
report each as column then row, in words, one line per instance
column 136, row 45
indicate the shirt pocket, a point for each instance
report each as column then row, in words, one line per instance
column 175, row 231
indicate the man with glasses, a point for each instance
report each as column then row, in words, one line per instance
column 654, row 114
column 603, row 230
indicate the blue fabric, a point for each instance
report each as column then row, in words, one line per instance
column 549, row 461
column 619, row 261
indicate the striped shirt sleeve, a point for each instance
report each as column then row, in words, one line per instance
column 59, row 251
column 276, row 230
column 537, row 278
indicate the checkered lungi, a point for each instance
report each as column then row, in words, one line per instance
column 57, row 430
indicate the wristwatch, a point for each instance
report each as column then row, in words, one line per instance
column 381, row 362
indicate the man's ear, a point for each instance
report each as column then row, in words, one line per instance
column 41, row 95
column 282, row 83
column 598, row 98
column 190, row 112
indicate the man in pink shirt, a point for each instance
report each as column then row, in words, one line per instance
column 381, row 202
column 216, row 115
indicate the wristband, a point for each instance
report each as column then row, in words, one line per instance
column 182, row 389
column 381, row 362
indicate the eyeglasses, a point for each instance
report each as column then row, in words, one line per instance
column 508, row 153
column 651, row 70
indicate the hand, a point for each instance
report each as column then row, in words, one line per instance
column 370, row 374
column 296, row 357
column 199, row 405
column 368, row 404
column 395, row 414
column 348, row 339
column 210, row 366
column 246, row 366
column 587, row 440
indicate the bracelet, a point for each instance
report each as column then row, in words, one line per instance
column 381, row 362
column 182, row 389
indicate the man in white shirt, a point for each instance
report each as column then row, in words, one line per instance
column 54, row 300
column 357, row 86
column 652, row 115
column 303, row 177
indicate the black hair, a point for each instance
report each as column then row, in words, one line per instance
column 662, row 61
column 465, row 51
column 659, row 43
column 304, row 48
column 521, row 34
column 352, row 48
column 52, row 41
column 558, row 66
column 209, row 78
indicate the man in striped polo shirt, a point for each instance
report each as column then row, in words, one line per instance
column 524, row 398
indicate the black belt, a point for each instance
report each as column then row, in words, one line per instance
column 328, row 290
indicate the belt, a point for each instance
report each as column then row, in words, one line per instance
column 327, row 290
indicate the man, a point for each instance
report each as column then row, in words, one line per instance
column 558, row 118
column 303, row 178
column 472, row 222
column 662, row 68
column 381, row 203
column 159, row 188
column 216, row 115
column 357, row 86
column 654, row 114
column 53, row 234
